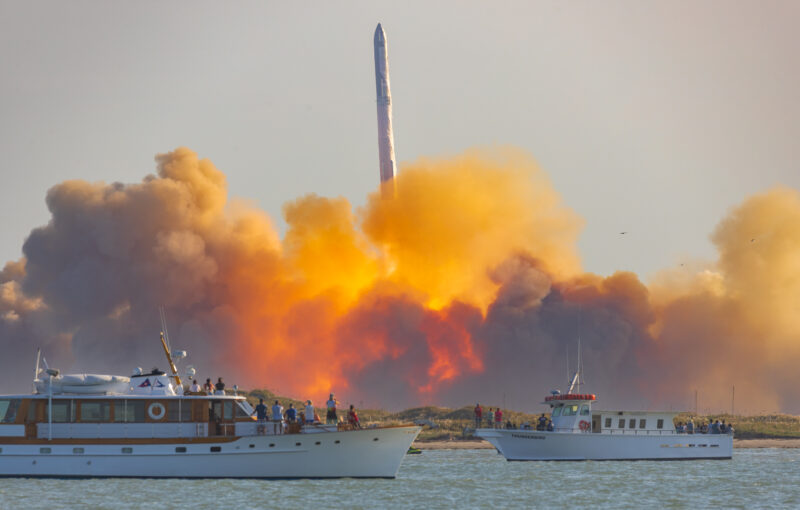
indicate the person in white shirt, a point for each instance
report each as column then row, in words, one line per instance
column 330, row 417
column 309, row 411
column 277, row 417
column 194, row 388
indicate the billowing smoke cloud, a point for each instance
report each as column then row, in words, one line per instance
column 467, row 286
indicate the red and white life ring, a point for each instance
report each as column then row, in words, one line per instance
column 156, row 411
column 584, row 425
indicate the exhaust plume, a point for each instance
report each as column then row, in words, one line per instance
column 467, row 286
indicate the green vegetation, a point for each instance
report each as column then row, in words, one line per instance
column 770, row 426
column 443, row 423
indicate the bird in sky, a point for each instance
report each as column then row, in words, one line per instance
column 622, row 233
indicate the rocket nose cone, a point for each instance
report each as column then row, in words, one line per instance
column 379, row 35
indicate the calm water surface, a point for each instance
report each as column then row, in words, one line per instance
column 455, row 479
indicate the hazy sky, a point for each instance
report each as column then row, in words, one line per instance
column 650, row 117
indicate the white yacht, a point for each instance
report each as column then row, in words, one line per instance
column 579, row 432
column 146, row 426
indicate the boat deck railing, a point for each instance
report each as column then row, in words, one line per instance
column 626, row 432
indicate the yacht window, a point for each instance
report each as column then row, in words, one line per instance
column 632, row 423
column 8, row 409
column 129, row 411
column 584, row 410
column 642, row 423
column 127, row 450
column 570, row 410
column 63, row 411
column 32, row 410
column 186, row 410
column 241, row 411
column 95, row 410
column 179, row 410
column 608, row 423
column 228, row 404
column 556, row 412
column 77, row 450
column 660, row 424
column 622, row 423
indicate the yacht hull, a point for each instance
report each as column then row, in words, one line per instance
column 535, row 445
column 366, row 453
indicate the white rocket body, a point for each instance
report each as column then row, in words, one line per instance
column 385, row 135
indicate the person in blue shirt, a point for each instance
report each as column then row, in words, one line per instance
column 291, row 414
column 261, row 416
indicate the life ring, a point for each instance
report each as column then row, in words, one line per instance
column 584, row 425
column 156, row 411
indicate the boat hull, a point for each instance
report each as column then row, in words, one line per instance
column 367, row 453
column 535, row 445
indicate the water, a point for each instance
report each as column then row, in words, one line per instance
column 455, row 479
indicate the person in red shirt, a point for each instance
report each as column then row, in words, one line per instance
column 352, row 417
column 478, row 416
column 498, row 419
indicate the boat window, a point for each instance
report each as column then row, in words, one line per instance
column 8, row 409
column 608, row 423
column 570, row 410
column 129, row 411
column 95, row 410
column 32, row 411
column 228, row 404
column 622, row 423
column 556, row 412
column 186, row 410
column 241, row 411
column 179, row 410
column 63, row 411
column 584, row 410
column 642, row 423
column 660, row 424
column 127, row 450
column 77, row 450
column 632, row 423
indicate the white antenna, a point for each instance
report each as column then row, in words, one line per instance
column 36, row 373
column 580, row 352
column 164, row 325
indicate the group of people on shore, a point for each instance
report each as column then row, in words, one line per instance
column 282, row 418
column 712, row 427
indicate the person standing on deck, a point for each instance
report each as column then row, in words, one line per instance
column 330, row 417
column 194, row 388
column 208, row 387
column 291, row 414
column 498, row 419
column 478, row 416
column 352, row 417
column 309, row 412
column 219, row 387
column 277, row 417
column 261, row 417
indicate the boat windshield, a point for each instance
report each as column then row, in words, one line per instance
column 585, row 410
column 556, row 412
column 8, row 410
column 571, row 410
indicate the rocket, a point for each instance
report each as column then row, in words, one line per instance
column 385, row 135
